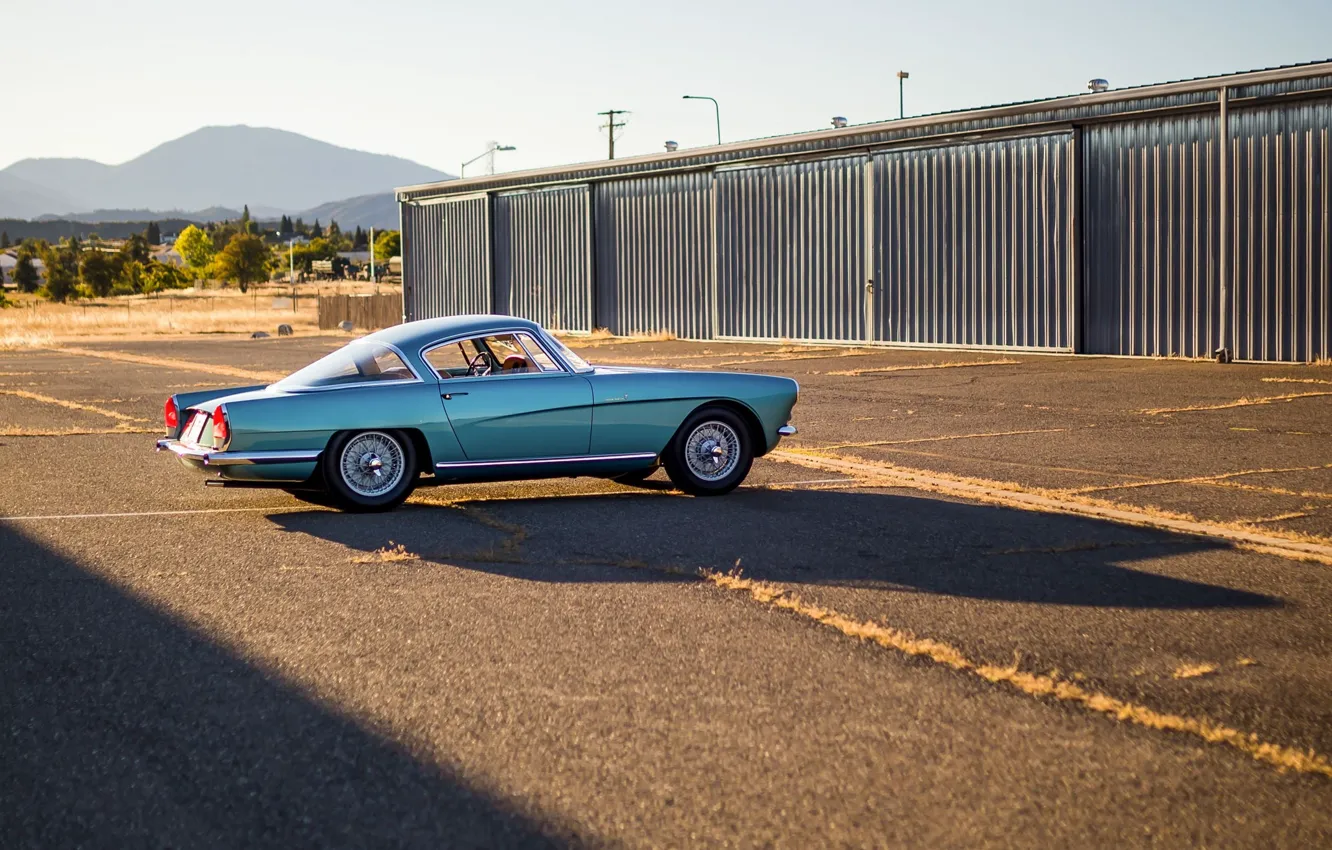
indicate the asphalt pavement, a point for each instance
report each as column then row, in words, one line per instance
column 542, row 663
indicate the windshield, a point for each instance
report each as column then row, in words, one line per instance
column 355, row 363
column 575, row 362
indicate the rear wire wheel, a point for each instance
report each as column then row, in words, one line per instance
column 710, row 454
column 370, row 470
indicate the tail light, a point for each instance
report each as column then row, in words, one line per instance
column 171, row 414
column 221, row 433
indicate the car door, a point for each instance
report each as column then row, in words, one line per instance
column 535, row 411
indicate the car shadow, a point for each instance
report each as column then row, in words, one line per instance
column 818, row 537
column 120, row 726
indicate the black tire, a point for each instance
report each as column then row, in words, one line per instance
column 352, row 484
column 638, row 476
column 716, row 436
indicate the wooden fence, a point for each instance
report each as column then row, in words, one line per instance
column 366, row 312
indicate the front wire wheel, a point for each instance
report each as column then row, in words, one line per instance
column 711, row 453
column 370, row 470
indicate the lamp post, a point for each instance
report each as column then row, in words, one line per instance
column 715, row 108
column 901, row 99
column 494, row 146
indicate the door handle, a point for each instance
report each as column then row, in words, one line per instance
column 447, row 396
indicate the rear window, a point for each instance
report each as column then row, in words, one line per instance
column 355, row 363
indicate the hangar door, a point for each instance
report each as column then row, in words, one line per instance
column 446, row 257
column 973, row 244
column 790, row 251
column 654, row 255
column 543, row 257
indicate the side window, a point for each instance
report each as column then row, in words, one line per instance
column 510, row 358
column 538, row 355
column 450, row 360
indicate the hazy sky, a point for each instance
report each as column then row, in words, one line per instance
column 434, row 81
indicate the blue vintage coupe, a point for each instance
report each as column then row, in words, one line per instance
column 475, row 398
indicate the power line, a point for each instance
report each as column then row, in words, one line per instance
column 610, row 126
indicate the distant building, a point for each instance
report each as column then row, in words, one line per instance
column 170, row 257
column 9, row 259
column 356, row 258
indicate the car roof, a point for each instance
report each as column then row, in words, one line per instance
column 410, row 335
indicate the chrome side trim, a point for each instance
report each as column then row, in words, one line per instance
column 474, row 464
column 787, row 430
column 212, row 457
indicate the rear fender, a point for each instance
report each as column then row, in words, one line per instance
column 184, row 401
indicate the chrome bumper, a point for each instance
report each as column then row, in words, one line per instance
column 787, row 430
column 211, row 457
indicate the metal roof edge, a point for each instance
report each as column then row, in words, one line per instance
column 582, row 169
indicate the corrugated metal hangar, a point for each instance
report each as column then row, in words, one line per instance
column 1180, row 219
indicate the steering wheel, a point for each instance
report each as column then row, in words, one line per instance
column 480, row 365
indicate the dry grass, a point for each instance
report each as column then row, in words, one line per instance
column 1296, row 381
column 390, row 554
column 1011, row 494
column 956, row 364
column 801, row 353
column 72, row 405
column 877, row 443
column 15, row 339
column 1224, row 478
column 171, row 363
column 123, row 428
column 1189, row 670
column 1240, row 402
column 38, row 323
column 601, row 337
column 1040, row 686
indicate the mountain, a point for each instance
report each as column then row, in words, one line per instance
column 271, row 170
column 22, row 198
column 116, row 216
column 377, row 211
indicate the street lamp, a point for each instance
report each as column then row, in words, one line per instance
column 494, row 146
column 901, row 79
column 715, row 108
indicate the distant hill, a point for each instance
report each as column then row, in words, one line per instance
column 23, row 199
column 53, row 231
column 377, row 211
column 271, row 170
column 105, row 216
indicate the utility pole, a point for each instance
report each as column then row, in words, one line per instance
column 610, row 127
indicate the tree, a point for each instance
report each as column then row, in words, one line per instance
column 99, row 271
column 196, row 248
column 299, row 227
column 387, row 244
column 153, row 234
column 25, row 272
column 244, row 260
column 284, row 226
column 136, row 249
column 4, row 239
column 359, row 239
column 62, row 271
column 159, row 276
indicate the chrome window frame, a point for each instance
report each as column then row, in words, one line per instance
column 397, row 382
column 536, row 336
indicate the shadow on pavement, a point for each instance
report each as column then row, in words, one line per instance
column 120, row 727
column 818, row 537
